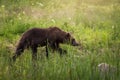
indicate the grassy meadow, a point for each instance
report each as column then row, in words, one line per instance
column 95, row 24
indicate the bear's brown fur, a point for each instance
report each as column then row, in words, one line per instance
column 50, row 37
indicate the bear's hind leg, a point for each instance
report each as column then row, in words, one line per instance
column 34, row 52
column 46, row 48
column 17, row 53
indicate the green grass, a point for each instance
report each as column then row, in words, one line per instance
column 94, row 23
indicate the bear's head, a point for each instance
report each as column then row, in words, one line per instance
column 69, row 39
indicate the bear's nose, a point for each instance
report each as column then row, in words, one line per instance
column 75, row 43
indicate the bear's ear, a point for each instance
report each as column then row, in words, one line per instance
column 68, row 35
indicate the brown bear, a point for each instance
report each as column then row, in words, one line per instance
column 49, row 37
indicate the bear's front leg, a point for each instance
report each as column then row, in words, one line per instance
column 62, row 51
column 55, row 46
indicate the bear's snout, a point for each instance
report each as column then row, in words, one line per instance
column 74, row 43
